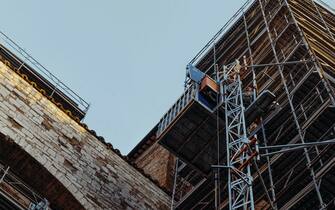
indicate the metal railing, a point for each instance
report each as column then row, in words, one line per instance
column 25, row 59
column 177, row 108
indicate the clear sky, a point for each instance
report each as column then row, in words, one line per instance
column 126, row 57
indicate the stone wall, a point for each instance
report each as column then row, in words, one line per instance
column 159, row 164
column 96, row 176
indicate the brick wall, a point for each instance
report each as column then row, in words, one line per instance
column 96, row 176
column 158, row 163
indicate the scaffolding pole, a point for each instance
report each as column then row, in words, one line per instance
column 318, row 66
column 254, row 86
column 323, row 21
column 174, row 184
column 300, row 132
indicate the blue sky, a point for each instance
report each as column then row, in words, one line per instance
column 126, row 57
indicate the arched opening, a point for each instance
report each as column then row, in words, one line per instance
column 23, row 181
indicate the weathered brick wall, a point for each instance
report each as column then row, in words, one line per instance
column 96, row 176
column 158, row 163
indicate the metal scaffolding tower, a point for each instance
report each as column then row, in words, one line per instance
column 287, row 48
column 239, row 173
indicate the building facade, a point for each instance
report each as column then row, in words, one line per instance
column 49, row 160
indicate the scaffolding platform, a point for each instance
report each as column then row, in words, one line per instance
column 189, row 128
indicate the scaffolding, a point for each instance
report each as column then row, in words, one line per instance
column 287, row 49
column 15, row 194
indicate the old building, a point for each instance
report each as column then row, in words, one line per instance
column 48, row 159
column 254, row 128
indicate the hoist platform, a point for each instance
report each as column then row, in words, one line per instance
column 189, row 128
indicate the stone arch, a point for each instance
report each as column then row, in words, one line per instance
column 36, row 176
